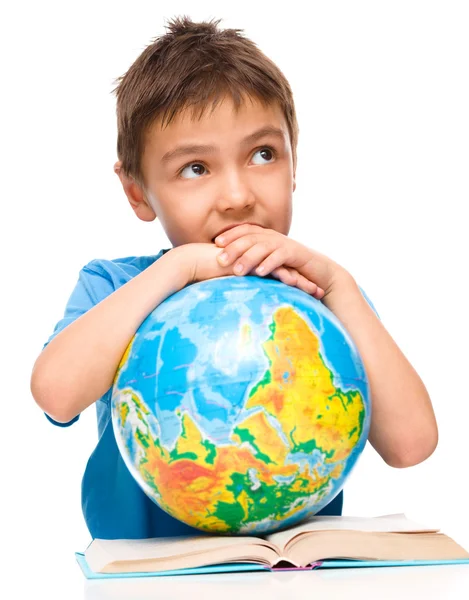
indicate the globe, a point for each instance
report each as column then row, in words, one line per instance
column 241, row 405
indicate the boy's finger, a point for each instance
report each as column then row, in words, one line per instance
column 248, row 261
column 306, row 285
column 236, row 249
column 309, row 286
column 272, row 261
column 283, row 275
column 292, row 278
column 236, row 232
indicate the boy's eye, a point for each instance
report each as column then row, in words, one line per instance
column 192, row 167
column 267, row 150
column 195, row 168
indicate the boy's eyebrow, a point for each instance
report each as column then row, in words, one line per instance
column 198, row 148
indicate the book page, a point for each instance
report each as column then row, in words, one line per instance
column 101, row 553
column 398, row 523
column 382, row 545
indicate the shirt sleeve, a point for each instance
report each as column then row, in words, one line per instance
column 93, row 285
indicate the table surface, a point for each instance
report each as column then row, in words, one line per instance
column 446, row 582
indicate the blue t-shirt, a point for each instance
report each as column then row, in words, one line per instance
column 114, row 506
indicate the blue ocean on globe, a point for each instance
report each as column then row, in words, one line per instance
column 241, row 405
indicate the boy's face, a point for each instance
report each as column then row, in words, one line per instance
column 198, row 193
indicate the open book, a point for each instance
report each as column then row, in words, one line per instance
column 317, row 542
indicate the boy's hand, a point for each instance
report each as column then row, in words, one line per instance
column 250, row 248
column 199, row 263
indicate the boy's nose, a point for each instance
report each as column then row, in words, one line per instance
column 235, row 194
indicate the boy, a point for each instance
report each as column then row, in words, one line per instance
column 221, row 183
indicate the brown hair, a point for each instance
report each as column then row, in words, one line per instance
column 187, row 68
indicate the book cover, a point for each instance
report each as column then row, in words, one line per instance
column 243, row 567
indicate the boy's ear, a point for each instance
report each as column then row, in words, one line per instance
column 135, row 195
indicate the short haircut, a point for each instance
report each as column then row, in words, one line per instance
column 190, row 67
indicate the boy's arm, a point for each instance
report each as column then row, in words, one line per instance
column 78, row 366
column 403, row 427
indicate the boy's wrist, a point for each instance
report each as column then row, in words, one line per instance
column 179, row 267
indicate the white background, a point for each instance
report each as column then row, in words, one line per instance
column 382, row 98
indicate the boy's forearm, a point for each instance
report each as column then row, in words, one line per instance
column 78, row 366
column 403, row 426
